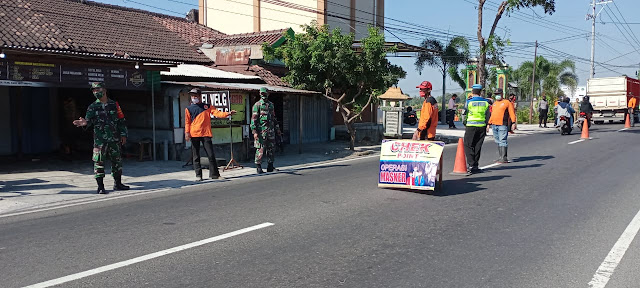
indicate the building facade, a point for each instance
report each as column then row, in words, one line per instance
column 250, row 16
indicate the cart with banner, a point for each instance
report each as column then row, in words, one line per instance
column 411, row 164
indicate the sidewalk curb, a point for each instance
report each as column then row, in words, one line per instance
column 93, row 198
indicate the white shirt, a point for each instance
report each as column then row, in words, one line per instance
column 452, row 104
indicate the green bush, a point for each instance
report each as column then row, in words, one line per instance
column 523, row 116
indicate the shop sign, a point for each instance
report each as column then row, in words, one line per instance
column 62, row 75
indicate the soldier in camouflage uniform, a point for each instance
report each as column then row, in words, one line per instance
column 109, row 132
column 264, row 127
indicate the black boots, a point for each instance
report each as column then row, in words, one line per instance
column 259, row 169
column 270, row 168
column 101, row 189
column 117, row 185
column 502, row 152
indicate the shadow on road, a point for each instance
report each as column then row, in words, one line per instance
column 465, row 185
column 532, row 158
column 511, row 167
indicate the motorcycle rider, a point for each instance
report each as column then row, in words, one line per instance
column 586, row 107
column 565, row 109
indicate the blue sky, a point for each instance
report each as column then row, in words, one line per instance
column 565, row 34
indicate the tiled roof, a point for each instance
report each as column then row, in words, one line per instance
column 257, row 38
column 89, row 27
column 264, row 73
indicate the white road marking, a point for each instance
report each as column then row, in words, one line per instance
column 102, row 269
column 577, row 141
column 623, row 129
column 489, row 166
column 604, row 272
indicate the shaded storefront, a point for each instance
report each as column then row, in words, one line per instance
column 40, row 96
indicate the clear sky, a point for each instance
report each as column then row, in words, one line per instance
column 564, row 35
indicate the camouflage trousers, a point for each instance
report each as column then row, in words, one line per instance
column 107, row 151
column 265, row 148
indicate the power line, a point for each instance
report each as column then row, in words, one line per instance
column 625, row 20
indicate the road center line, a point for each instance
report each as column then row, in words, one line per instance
column 577, row 141
column 489, row 166
column 623, row 129
column 604, row 272
column 98, row 270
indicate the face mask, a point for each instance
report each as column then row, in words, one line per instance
column 195, row 100
column 98, row 94
column 498, row 97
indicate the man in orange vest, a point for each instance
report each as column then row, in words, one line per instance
column 428, row 114
column 632, row 106
column 502, row 114
column 197, row 129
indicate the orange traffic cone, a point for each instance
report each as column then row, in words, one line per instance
column 460, row 167
column 585, row 129
column 627, row 122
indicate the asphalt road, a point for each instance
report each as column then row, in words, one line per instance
column 549, row 219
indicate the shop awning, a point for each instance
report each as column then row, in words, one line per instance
column 242, row 87
column 191, row 70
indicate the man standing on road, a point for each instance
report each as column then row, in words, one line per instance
column 502, row 113
column 451, row 111
column 264, row 126
column 543, row 112
column 632, row 106
column 477, row 109
column 428, row 115
column 576, row 107
column 197, row 129
column 109, row 133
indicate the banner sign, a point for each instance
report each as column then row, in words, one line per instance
column 409, row 164
column 225, row 101
column 64, row 75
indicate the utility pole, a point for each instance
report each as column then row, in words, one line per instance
column 533, row 82
column 593, row 33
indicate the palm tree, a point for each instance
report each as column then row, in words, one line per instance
column 455, row 52
column 549, row 76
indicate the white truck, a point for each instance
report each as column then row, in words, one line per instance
column 610, row 96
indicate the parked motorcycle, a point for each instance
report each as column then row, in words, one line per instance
column 564, row 125
column 410, row 117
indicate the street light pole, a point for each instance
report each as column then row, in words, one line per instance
column 533, row 83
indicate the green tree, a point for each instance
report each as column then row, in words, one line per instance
column 455, row 52
column 493, row 44
column 458, row 77
column 549, row 77
column 326, row 61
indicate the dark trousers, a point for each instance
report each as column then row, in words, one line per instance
column 473, row 140
column 208, row 148
column 543, row 117
column 451, row 114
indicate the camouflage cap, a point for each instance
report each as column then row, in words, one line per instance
column 95, row 85
column 264, row 90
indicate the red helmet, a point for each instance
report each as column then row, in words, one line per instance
column 425, row 85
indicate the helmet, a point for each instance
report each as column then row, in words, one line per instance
column 585, row 98
column 194, row 91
